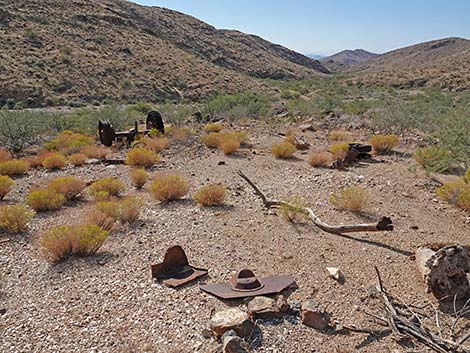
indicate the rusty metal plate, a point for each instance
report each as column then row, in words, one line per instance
column 175, row 270
column 245, row 284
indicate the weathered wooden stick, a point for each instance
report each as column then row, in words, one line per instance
column 384, row 224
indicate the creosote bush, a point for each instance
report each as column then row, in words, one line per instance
column 44, row 200
column 213, row 127
column 210, row 195
column 106, row 187
column 168, row 187
column 14, row 167
column 340, row 135
column 283, row 150
column 69, row 186
column 229, row 144
column 383, row 143
column 15, row 218
column 54, row 161
column 5, row 155
column 354, row 199
column 141, row 157
column 139, row 177
column 77, row 159
column 433, row 159
column 339, row 150
column 320, row 159
column 97, row 152
column 83, row 240
column 6, row 184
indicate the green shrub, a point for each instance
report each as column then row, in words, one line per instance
column 15, row 218
column 235, row 106
column 44, row 200
column 14, row 167
column 168, row 187
column 433, row 159
column 110, row 186
column 68, row 186
column 6, row 184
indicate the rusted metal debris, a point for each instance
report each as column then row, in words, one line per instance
column 245, row 284
column 356, row 151
column 108, row 134
column 175, row 270
column 444, row 270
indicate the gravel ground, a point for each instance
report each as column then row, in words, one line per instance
column 109, row 303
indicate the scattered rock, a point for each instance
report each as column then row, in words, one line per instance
column 282, row 303
column 335, row 273
column 306, row 127
column 264, row 307
column 206, row 333
column 235, row 344
column 231, row 319
column 313, row 315
column 221, row 163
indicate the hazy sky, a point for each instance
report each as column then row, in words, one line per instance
column 328, row 26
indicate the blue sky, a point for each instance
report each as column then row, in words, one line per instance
column 328, row 26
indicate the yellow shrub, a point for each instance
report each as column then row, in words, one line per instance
column 109, row 186
column 210, row 195
column 101, row 220
column 155, row 144
column 43, row 200
column 69, row 142
column 463, row 199
column 229, row 144
column 5, row 155
column 77, row 159
column 37, row 160
column 320, row 159
column 139, row 177
column 60, row 242
column 68, row 186
column 292, row 211
column 141, row 157
column 213, row 127
column 433, row 158
column 178, row 134
column 97, row 152
column 456, row 192
column 340, row 135
column 168, row 187
column 383, row 143
column 109, row 208
column 241, row 136
column 354, row 199
column 54, row 161
column 129, row 209
column 15, row 218
column 14, row 167
column 283, row 150
column 6, row 184
column 339, row 150
column 211, row 140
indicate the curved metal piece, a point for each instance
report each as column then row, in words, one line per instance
column 106, row 132
column 155, row 121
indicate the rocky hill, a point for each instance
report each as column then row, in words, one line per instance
column 56, row 51
column 345, row 59
column 444, row 63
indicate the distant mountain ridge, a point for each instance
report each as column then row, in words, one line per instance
column 345, row 59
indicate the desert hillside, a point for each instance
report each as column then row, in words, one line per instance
column 345, row 59
column 57, row 52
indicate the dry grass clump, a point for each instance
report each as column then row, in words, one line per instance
column 340, row 135
column 68, row 186
column 14, row 167
column 210, row 195
column 339, row 150
column 15, row 218
column 168, row 187
column 383, row 143
column 241, row 136
column 37, row 160
column 213, row 127
column 283, row 150
column 54, row 161
column 69, row 142
column 157, row 144
column 44, row 200
column 83, row 240
column 106, row 187
column 129, row 209
column 97, row 152
column 141, row 157
column 354, row 199
column 6, row 184
column 5, row 155
column 139, row 177
column 177, row 133
column 433, row 158
column 229, row 144
column 456, row 192
column 106, row 213
column 211, row 140
column 77, row 159
column 320, row 159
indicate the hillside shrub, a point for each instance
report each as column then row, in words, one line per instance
column 383, row 143
column 283, row 150
column 156, row 144
column 354, row 199
column 211, row 140
column 139, row 177
column 210, row 195
column 168, row 187
column 97, row 152
column 456, row 192
column 69, row 186
column 108, row 186
column 433, row 159
column 141, row 157
column 14, row 167
column 6, row 184
column 339, row 150
column 83, row 240
column 5, row 155
column 15, row 218
column 177, row 133
column 77, row 159
column 69, row 142
column 44, row 200
column 236, row 106
column 229, row 144
column 54, row 161
column 213, row 127
column 129, row 209
column 320, row 159
column 340, row 135
column 37, row 160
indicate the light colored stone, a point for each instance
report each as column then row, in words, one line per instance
column 312, row 315
column 282, row 304
column 335, row 273
column 264, row 307
column 231, row 319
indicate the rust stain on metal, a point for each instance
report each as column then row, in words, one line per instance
column 175, row 269
column 245, row 284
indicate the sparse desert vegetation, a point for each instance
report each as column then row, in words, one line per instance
column 45, row 200
column 6, row 184
column 383, row 143
column 283, row 150
column 15, row 218
column 319, row 159
column 169, row 187
column 14, row 167
column 210, row 195
column 69, row 186
column 54, row 161
column 139, row 177
column 353, row 199
column 107, row 187
column 141, row 157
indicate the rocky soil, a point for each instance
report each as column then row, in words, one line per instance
column 109, row 302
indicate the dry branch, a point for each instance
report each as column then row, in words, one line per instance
column 384, row 224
